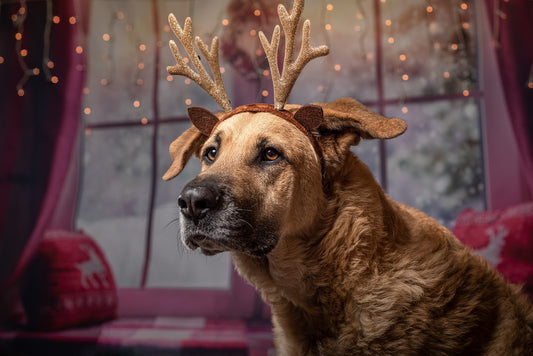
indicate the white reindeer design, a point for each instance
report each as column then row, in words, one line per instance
column 492, row 251
column 92, row 268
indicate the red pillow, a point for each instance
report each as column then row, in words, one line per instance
column 504, row 238
column 69, row 283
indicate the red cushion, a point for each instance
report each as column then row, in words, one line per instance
column 69, row 283
column 504, row 238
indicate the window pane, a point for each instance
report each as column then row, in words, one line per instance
column 115, row 195
column 120, row 62
column 347, row 28
column 436, row 165
column 171, row 264
column 429, row 48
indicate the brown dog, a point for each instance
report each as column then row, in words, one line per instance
column 346, row 270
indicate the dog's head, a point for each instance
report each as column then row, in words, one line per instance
column 264, row 172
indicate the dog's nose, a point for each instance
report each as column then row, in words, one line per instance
column 196, row 202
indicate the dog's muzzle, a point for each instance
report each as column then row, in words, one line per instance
column 196, row 202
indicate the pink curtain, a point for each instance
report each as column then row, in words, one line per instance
column 512, row 24
column 39, row 130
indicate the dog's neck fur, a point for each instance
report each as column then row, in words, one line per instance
column 295, row 274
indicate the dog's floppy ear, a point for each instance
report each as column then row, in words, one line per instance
column 347, row 114
column 190, row 142
column 181, row 150
column 345, row 122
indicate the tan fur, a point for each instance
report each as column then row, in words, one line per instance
column 353, row 272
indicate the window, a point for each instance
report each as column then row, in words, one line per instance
column 416, row 61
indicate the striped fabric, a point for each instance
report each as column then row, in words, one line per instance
column 228, row 337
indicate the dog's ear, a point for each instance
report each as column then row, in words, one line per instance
column 181, row 150
column 348, row 115
column 345, row 122
column 191, row 141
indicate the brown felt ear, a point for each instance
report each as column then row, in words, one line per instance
column 182, row 149
column 203, row 119
column 347, row 114
column 309, row 116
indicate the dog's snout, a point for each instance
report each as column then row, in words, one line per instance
column 197, row 201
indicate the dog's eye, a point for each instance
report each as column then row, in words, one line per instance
column 270, row 154
column 211, row 154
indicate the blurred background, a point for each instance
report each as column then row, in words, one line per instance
column 88, row 110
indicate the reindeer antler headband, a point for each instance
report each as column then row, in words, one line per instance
column 283, row 83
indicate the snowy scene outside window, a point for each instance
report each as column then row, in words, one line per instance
column 413, row 59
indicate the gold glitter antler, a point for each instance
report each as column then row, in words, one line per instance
column 215, row 86
column 291, row 69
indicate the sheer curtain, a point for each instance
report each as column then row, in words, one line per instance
column 512, row 24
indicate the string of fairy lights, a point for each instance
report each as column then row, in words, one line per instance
column 47, row 64
column 360, row 29
column 328, row 16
